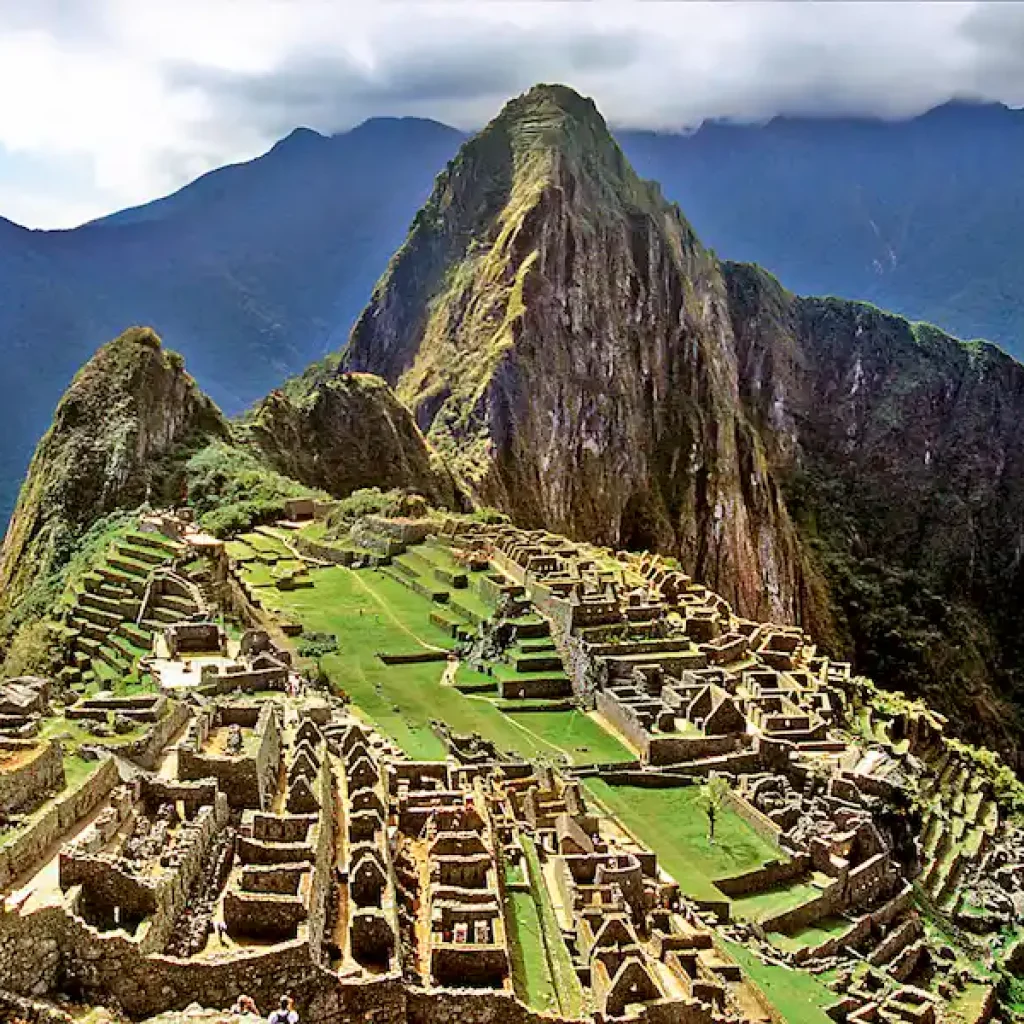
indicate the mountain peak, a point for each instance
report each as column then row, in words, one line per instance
column 129, row 407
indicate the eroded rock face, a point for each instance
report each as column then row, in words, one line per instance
column 564, row 339
column 131, row 405
column 346, row 432
column 586, row 365
column 903, row 460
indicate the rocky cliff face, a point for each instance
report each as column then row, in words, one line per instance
column 903, row 461
column 565, row 340
column 586, row 365
column 346, row 431
column 131, row 406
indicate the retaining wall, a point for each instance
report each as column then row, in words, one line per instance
column 26, row 847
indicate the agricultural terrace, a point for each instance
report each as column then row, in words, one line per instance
column 371, row 612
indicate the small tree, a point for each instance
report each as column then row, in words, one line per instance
column 715, row 790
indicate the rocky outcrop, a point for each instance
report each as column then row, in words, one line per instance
column 130, row 407
column 903, row 463
column 563, row 337
column 586, row 365
column 343, row 432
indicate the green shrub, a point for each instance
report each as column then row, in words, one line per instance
column 316, row 645
column 232, row 490
column 364, row 502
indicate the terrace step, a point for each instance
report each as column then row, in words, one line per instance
column 99, row 617
column 140, row 637
column 114, row 592
column 111, row 605
column 115, row 660
column 157, row 542
column 144, row 555
column 164, row 616
column 134, row 584
column 128, row 566
column 538, row 663
column 89, row 631
column 185, row 606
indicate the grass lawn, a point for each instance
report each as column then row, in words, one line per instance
column 531, row 974
column 797, row 995
column 821, row 931
column 574, row 732
column 774, row 901
column 567, row 985
column 369, row 612
column 674, row 824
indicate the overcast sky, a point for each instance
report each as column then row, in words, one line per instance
column 108, row 103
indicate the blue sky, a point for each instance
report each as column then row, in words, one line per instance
column 109, row 103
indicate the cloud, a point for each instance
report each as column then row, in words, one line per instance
column 112, row 102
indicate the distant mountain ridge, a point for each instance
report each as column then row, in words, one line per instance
column 256, row 269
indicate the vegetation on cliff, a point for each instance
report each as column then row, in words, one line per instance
column 587, row 366
column 339, row 432
column 119, row 437
column 557, row 329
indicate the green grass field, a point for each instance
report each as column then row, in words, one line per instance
column 821, row 931
column 774, row 901
column 531, row 974
column 674, row 824
column 369, row 612
column 797, row 995
column 567, row 985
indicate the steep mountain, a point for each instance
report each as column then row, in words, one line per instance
column 921, row 216
column 259, row 268
column 131, row 407
column 561, row 334
column 344, row 433
column 134, row 427
column 587, row 366
column 254, row 270
column 902, row 460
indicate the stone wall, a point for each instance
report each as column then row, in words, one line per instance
column 862, row 928
column 24, row 849
column 148, row 749
column 246, row 779
column 760, row 823
column 528, row 688
column 41, row 771
column 668, row 749
column 160, row 900
column 776, row 872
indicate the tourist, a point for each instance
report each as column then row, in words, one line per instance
column 245, row 1004
column 285, row 1013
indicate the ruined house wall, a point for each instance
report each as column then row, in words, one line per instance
column 25, row 848
column 624, row 719
column 760, row 823
column 245, row 779
column 147, row 749
column 41, row 773
column 659, row 750
column 774, row 873
column 163, row 899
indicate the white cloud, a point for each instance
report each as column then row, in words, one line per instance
column 122, row 100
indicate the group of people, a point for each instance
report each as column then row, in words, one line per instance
column 284, row 1014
